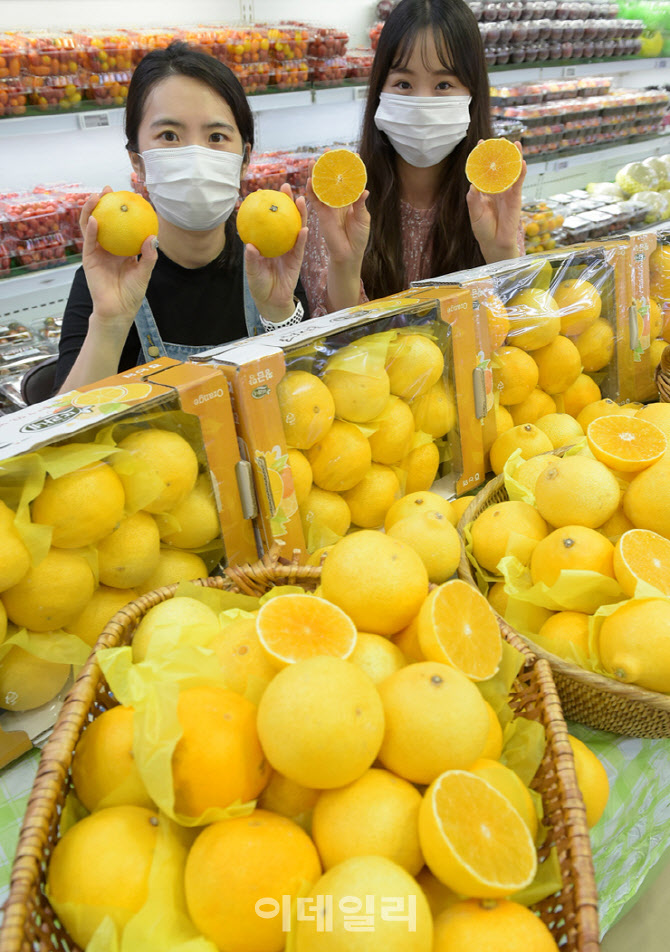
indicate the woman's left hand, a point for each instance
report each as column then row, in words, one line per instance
column 495, row 219
column 272, row 281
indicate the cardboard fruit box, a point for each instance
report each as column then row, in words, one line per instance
column 48, row 625
column 329, row 422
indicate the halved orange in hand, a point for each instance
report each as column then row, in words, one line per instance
column 628, row 444
column 339, row 177
column 124, row 220
column 493, row 166
column 294, row 627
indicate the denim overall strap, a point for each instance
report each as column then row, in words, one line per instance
column 152, row 343
column 252, row 317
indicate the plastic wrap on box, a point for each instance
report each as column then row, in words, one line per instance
column 343, row 414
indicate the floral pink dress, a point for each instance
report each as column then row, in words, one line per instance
column 415, row 224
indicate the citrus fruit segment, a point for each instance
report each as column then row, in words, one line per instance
column 493, row 166
column 269, row 220
column 125, row 220
column 641, row 555
column 626, row 443
column 473, row 839
column 457, row 626
column 293, row 627
column 339, row 177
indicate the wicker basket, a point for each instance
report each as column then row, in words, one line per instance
column 662, row 376
column 587, row 698
column 29, row 922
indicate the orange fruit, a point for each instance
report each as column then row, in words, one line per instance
column 420, row 465
column 503, row 419
column 236, row 866
column 434, row 538
column 244, row 662
column 458, row 507
column 301, row 473
column 359, row 396
column 104, row 770
column 500, row 925
column 579, row 304
column 512, row 527
column 493, row 311
column 457, row 626
column 218, row 758
column 558, row 363
column 659, row 272
column 103, row 604
column 569, row 549
column 515, row 375
column 52, row 593
column 288, row 798
column 378, row 581
column 122, row 841
column 82, row 506
column 507, row 782
column 435, row 410
column 439, row 896
column 658, row 414
column 576, row 490
column 561, row 428
column 293, row 627
column 270, row 221
column 131, row 553
column 435, row 720
column 14, row 556
column 626, row 443
column 408, row 641
column 598, row 408
column 412, row 503
column 174, row 565
column 377, row 656
column 473, row 839
column 526, row 437
column 393, row 433
column 125, row 220
column 596, row 345
column 369, row 885
column 340, row 458
column 414, row 363
column 634, row 643
column 583, row 391
column 339, row 177
column 641, row 555
column 321, row 722
column 534, row 319
column 527, row 472
column 647, row 500
column 493, row 166
column 371, row 498
column 28, row 681
column 616, row 525
column 565, row 629
column 592, row 780
column 324, row 511
column 306, row 406
column 376, row 815
column 164, row 458
column 494, row 742
column 538, row 403
column 655, row 320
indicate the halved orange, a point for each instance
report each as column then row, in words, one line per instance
column 642, row 555
column 457, row 626
column 493, row 166
column 626, row 443
column 99, row 396
column 473, row 839
column 294, row 627
column 339, row 177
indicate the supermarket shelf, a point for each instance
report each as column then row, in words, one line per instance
column 91, row 118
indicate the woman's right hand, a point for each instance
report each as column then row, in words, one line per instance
column 117, row 284
column 345, row 230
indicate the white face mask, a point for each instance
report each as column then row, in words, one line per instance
column 193, row 187
column 423, row 129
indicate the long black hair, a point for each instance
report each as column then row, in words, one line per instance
column 180, row 59
column 459, row 46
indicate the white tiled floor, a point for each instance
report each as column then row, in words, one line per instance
column 647, row 926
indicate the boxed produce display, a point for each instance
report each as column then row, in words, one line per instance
column 548, row 326
column 107, row 492
column 345, row 413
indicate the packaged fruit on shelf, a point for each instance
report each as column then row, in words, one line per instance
column 14, row 93
column 539, row 224
column 4, row 259
column 29, row 216
column 107, row 492
column 109, row 89
column 254, row 77
column 328, row 72
column 359, row 63
column 290, row 74
column 35, row 254
column 58, row 93
column 374, row 32
column 106, row 52
column 12, row 55
column 345, row 413
column 326, row 42
column 543, row 322
column 58, row 54
column 288, row 42
column 243, row 45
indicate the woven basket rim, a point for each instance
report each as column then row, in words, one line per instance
column 58, row 752
column 573, row 671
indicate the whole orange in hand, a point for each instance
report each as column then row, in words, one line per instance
column 125, row 220
column 270, row 221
